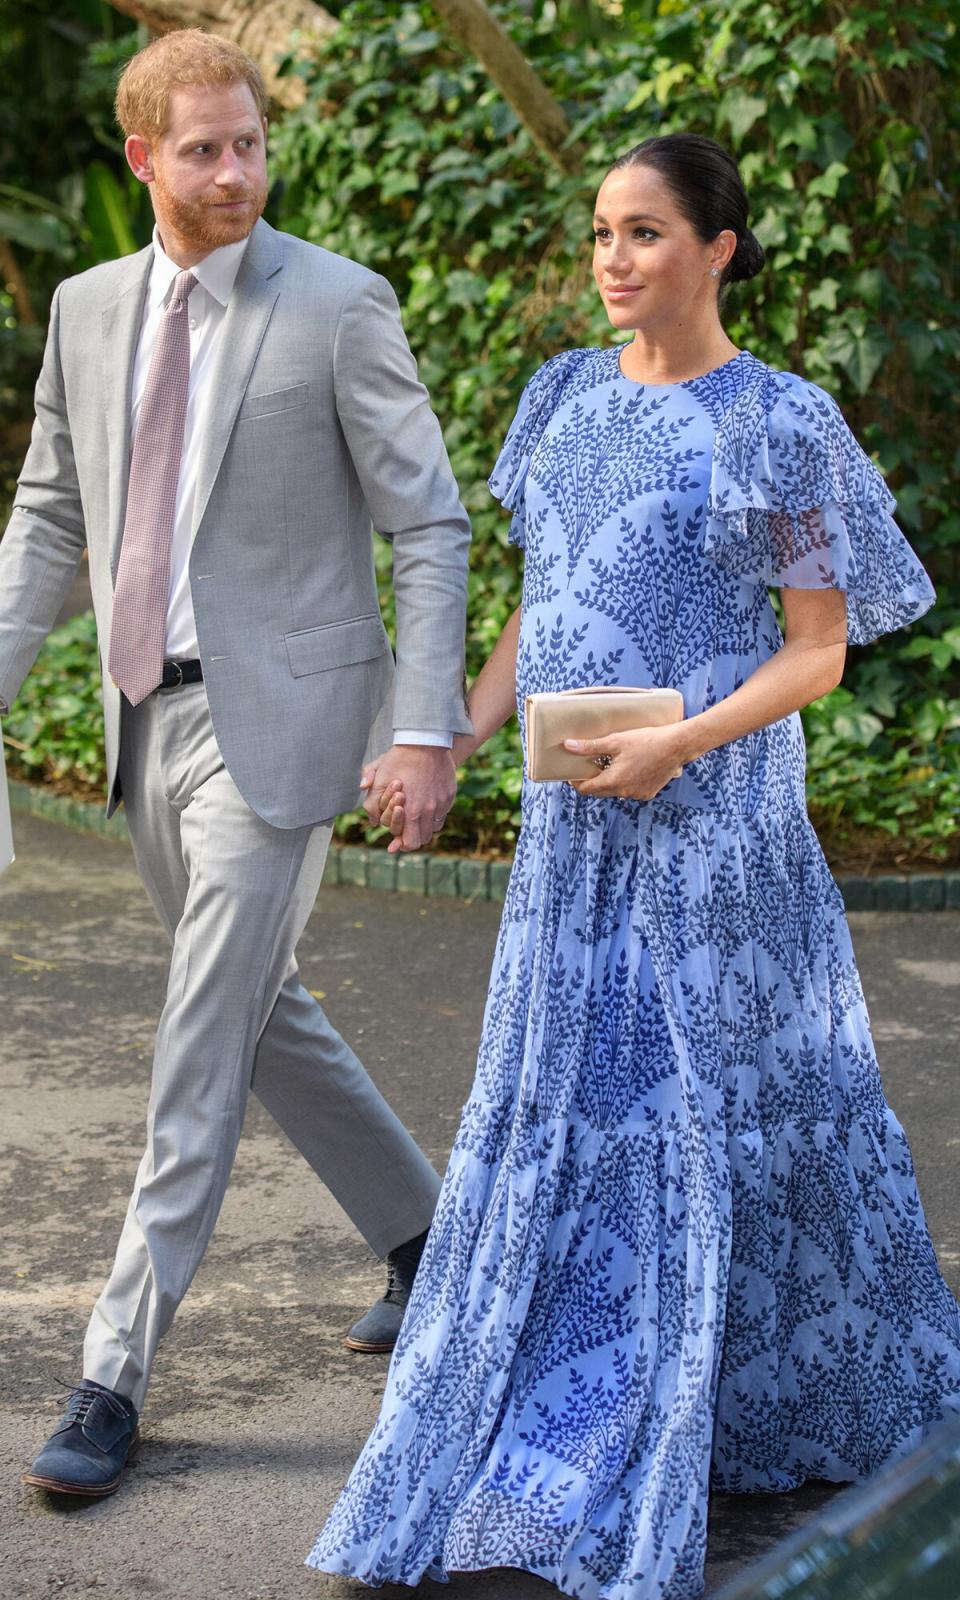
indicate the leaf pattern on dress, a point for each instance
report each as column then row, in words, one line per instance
column 679, row 1240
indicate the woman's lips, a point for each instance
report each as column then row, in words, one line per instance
column 623, row 291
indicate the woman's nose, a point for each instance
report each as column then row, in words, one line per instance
column 618, row 260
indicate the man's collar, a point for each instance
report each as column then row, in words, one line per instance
column 216, row 273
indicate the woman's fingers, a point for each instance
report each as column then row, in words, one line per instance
column 392, row 795
column 602, row 751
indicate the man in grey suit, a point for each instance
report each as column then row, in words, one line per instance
column 219, row 419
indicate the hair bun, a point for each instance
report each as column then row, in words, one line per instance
column 748, row 258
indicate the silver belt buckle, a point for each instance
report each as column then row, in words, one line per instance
column 168, row 688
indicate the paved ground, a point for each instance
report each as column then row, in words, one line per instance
column 257, row 1413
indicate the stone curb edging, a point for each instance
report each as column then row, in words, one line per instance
column 465, row 878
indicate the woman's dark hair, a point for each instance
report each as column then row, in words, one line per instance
column 704, row 181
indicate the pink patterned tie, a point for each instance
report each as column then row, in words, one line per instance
column 141, row 592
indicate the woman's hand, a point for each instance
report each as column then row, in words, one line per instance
column 631, row 766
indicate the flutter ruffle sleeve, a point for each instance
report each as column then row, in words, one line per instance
column 538, row 402
column 794, row 502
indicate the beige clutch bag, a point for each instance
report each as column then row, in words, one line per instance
column 588, row 714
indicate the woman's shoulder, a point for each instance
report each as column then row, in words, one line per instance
column 564, row 375
column 569, row 371
column 784, row 431
column 776, row 389
column 581, row 365
column 784, row 413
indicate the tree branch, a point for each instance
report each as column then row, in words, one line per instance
column 264, row 28
column 474, row 26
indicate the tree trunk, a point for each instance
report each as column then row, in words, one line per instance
column 264, row 28
column 474, row 26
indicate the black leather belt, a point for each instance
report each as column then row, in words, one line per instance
column 177, row 673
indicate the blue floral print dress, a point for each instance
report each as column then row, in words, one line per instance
column 679, row 1243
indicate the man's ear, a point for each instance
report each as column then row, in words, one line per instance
column 139, row 158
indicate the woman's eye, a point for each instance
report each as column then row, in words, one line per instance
column 601, row 233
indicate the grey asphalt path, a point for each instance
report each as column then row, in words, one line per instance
column 257, row 1413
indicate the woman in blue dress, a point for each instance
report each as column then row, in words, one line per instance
column 679, row 1243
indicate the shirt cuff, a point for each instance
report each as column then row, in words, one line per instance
column 441, row 741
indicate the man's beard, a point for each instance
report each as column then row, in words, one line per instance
column 199, row 224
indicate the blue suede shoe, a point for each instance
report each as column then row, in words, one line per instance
column 88, row 1450
column 376, row 1332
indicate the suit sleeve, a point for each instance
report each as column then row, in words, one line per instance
column 397, row 450
column 45, row 537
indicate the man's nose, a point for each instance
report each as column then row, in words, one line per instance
column 229, row 170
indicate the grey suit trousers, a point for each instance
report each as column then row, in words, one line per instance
column 233, row 893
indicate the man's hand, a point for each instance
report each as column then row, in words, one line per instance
column 426, row 778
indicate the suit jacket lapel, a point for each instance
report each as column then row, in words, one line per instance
column 248, row 313
column 120, row 325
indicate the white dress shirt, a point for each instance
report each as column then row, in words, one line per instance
column 215, row 275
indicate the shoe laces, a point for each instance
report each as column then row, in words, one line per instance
column 83, row 1397
column 395, row 1289
column 402, row 1265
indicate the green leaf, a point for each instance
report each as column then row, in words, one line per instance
column 837, row 240
column 34, row 231
column 861, row 355
column 739, row 111
column 398, row 183
column 807, row 49
column 823, row 297
column 107, row 214
column 828, row 182
column 668, row 79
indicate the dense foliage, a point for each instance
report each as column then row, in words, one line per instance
column 55, row 729
column 406, row 158
column 66, row 198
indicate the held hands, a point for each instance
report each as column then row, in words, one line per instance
column 631, row 766
column 411, row 797
column 410, row 790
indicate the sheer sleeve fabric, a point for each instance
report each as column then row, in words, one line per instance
column 794, row 502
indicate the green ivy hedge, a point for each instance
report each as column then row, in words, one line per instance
column 404, row 157
column 845, row 125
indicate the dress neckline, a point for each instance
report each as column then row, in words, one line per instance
column 681, row 383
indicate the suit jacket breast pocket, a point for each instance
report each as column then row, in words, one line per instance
column 274, row 402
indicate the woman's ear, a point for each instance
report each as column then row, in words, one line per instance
column 722, row 252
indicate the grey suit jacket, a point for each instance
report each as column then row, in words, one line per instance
column 320, row 427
